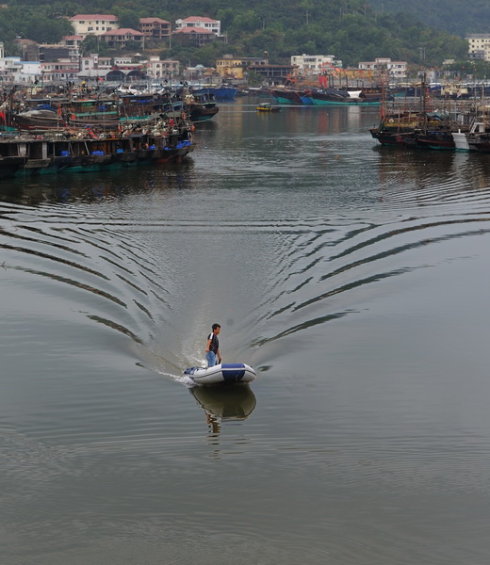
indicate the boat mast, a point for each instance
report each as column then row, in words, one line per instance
column 424, row 101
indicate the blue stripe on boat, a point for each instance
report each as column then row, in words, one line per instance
column 233, row 372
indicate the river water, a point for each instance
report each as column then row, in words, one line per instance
column 355, row 280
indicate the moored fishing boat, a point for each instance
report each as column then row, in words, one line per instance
column 200, row 107
column 53, row 113
column 106, row 112
column 332, row 96
column 286, row 96
column 478, row 136
column 424, row 129
column 49, row 119
column 441, row 139
column 397, row 129
column 84, row 150
column 224, row 93
column 430, row 130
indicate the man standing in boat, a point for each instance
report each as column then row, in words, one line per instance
column 213, row 353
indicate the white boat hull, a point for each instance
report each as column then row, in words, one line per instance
column 461, row 141
column 220, row 374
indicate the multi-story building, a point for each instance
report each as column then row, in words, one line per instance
column 61, row 70
column 94, row 62
column 273, row 74
column 93, row 24
column 28, row 48
column 313, row 64
column 157, row 68
column 394, row 69
column 194, row 37
column 13, row 69
column 155, row 28
column 479, row 46
column 72, row 40
column 52, row 52
column 120, row 37
column 236, row 67
column 30, row 72
column 199, row 22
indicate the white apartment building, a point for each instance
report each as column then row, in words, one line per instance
column 395, row 69
column 95, row 62
column 314, row 64
column 479, row 46
column 157, row 68
column 214, row 26
column 10, row 66
column 59, row 71
column 93, row 24
column 16, row 70
column 20, row 72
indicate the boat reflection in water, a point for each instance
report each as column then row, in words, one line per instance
column 99, row 186
column 224, row 403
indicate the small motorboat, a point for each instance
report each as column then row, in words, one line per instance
column 219, row 374
column 267, row 107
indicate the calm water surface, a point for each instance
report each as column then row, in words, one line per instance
column 354, row 278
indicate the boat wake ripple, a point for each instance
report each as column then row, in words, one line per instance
column 112, row 280
column 159, row 279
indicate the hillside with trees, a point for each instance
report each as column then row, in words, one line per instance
column 454, row 16
column 349, row 29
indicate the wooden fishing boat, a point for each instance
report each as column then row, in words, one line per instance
column 84, row 150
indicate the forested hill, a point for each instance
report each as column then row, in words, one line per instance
column 455, row 16
column 349, row 29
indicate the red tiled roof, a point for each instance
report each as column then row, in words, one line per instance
column 105, row 17
column 122, row 31
column 199, row 19
column 153, row 20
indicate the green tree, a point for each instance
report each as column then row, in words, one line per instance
column 347, row 29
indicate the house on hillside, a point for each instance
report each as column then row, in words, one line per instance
column 72, row 40
column 93, row 24
column 199, row 22
column 193, row 37
column 122, row 36
column 155, row 28
column 28, row 48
